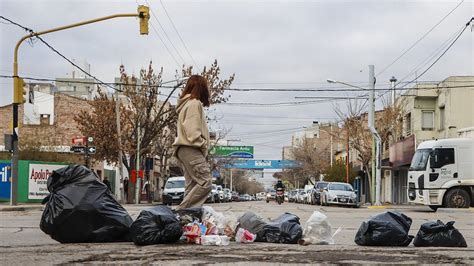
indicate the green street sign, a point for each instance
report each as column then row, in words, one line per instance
column 233, row 151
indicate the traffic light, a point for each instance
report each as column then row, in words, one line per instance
column 144, row 16
column 19, row 92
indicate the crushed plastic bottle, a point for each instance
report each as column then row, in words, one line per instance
column 318, row 231
column 215, row 240
column 244, row 236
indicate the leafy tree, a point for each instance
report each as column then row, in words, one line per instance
column 337, row 172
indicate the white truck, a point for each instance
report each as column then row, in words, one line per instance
column 441, row 174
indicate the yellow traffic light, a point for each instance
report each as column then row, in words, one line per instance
column 19, row 92
column 144, row 16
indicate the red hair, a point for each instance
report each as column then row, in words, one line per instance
column 198, row 87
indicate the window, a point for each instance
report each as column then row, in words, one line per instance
column 408, row 124
column 441, row 118
column 418, row 163
column 427, row 120
column 442, row 157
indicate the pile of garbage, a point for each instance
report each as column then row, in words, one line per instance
column 80, row 208
column 391, row 229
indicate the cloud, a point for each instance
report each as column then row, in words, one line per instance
column 261, row 41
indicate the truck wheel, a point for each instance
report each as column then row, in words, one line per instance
column 457, row 198
column 434, row 207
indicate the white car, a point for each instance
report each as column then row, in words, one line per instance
column 220, row 190
column 173, row 191
column 300, row 198
column 339, row 194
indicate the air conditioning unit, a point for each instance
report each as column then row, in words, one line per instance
column 387, row 173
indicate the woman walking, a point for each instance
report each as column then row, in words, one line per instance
column 192, row 142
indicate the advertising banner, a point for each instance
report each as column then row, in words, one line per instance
column 38, row 178
column 263, row 164
column 233, row 151
column 5, row 180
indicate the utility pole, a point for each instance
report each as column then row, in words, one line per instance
column 119, row 139
column 372, row 125
column 331, row 147
column 137, row 166
column 142, row 13
column 394, row 95
column 376, row 142
column 347, row 155
column 231, row 188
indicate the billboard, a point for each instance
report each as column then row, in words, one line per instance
column 245, row 152
column 5, row 180
column 37, row 179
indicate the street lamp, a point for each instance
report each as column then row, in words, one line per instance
column 142, row 13
column 376, row 140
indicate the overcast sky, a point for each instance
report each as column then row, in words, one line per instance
column 267, row 44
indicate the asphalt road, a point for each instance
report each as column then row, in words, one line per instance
column 22, row 242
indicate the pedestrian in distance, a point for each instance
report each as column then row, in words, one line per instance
column 192, row 142
column 107, row 183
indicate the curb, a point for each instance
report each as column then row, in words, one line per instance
column 376, row 207
column 20, row 208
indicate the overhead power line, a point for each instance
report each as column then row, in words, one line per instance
column 164, row 31
column 33, row 34
column 179, row 35
column 441, row 55
column 419, row 40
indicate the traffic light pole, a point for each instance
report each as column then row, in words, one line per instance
column 143, row 14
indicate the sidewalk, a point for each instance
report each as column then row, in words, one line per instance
column 5, row 207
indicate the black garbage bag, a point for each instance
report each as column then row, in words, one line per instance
column 254, row 224
column 157, row 225
column 189, row 215
column 438, row 234
column 386, row 229
column 284, row 229
column 80, row 208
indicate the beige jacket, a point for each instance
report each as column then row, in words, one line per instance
column 192, row 125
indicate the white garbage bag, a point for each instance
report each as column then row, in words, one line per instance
column 318, row 231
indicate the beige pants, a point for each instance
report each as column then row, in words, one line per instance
column 197, row 174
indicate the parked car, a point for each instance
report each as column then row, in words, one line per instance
column 235, row 196
column 261, row 195
column 173, row 191
column 309, row 196
column 227, row 195
column 339, row 194
column 301, row 196
column 292, row 195
column 318, row 188
column 247, row 197
column 213, row 195
column 270, row 195
column 220, row 190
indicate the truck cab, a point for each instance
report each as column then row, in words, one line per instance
column 441, row 173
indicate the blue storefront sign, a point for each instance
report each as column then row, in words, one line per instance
column 263, row 164
column 5, row 178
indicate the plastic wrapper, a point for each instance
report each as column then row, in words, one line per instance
column 193, row 233
column 318, row 231
column 284, row 229
column 157, row 225
column 254, row 224
column 224, row 223
column 386, row 229
column 215, row 240
column 189, row 215
column 80, row 208
column 438, row 234
column 244, row 236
